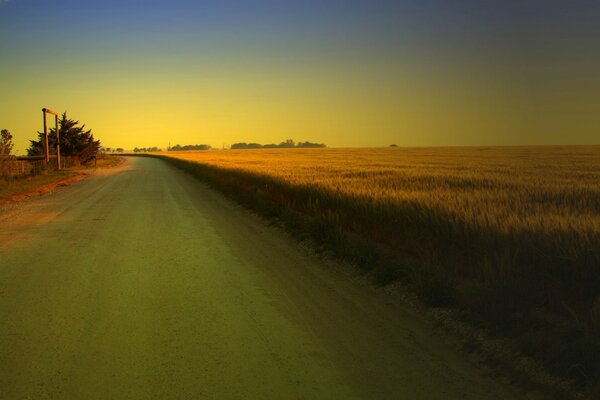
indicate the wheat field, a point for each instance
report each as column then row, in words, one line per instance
column 540, row 189
column 530, row 215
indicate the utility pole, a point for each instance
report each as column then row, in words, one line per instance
column 49, row 111
column 46, row 137
column 57, row 141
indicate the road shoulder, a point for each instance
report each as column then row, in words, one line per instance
column 47, row 184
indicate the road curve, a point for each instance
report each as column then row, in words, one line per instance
column 149, row 285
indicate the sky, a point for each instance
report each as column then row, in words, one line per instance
column 347, row 73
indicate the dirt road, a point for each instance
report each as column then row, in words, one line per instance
column 147, row 284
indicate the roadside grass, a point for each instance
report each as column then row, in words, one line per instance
column 24, row 184
column 510, row 237
column 108, row 161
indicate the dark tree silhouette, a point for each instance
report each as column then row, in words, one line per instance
column 186, row 147
column 288, row 144
column 6, row 144
column 310, row 145
column 74, row 141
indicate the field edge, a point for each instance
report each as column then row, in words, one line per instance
column 430, row 285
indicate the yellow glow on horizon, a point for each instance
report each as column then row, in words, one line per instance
column 334, row 104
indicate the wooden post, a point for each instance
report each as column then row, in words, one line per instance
column 57, row 142
column 46, row 136
column 49, row 111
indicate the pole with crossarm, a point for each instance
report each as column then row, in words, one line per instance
column 49, row 111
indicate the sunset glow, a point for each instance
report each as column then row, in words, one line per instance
column 344, row 73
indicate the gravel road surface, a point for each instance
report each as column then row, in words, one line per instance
column 146, row 284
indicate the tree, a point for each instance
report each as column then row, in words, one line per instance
column 187, row 147
column 146, row 149
column 241, row 145
column 74, row 141
column 6, row 146
column 288, row 144
column 310, row 145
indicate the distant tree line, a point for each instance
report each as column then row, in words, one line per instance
column 111, row 150
column 179, row 147
column 146, row 149
column 288, row 144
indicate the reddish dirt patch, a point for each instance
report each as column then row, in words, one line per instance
column 41, row 190
column 121, row 166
